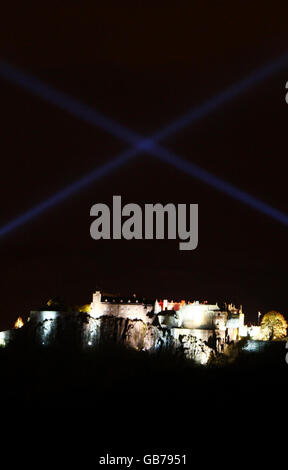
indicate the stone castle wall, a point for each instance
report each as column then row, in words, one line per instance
column 131, row 310
column 195, row 330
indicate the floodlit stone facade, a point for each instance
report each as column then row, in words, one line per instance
column 131, row 308
column 193, row 329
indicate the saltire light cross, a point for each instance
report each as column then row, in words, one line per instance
column 138, row 144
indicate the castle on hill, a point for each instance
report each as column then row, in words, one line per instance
column 201, row 319
column 197, row 329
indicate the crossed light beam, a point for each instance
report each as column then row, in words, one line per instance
column 139, row 144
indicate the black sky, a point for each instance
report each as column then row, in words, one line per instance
column 144, row 66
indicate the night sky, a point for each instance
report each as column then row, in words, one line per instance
column 144, row 67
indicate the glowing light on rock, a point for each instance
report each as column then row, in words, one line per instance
column 19, row 323
column 2, row 338
column 47, row 318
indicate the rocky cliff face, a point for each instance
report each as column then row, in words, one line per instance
column 83, row 331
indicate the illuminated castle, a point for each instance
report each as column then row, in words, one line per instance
column 177, row 320
column 201, row 318
column 131, row 308
column 195, row 329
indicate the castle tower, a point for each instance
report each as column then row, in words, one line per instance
column 97, row 297
column 96, row 310
column 157, row 307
